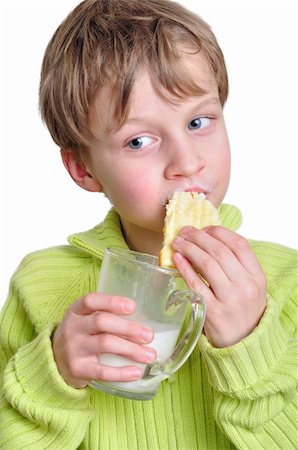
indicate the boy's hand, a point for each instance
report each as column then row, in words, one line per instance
column 236, row 296
column 91, row 326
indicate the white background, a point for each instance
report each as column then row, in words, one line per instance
column 40, row 205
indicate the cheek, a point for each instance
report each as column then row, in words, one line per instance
column 223, row 160
column 220, row 168
column 224, row 166
column 136, row 188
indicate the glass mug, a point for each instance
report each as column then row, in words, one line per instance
column 163, row 303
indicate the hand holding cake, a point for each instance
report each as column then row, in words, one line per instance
column 235, row 289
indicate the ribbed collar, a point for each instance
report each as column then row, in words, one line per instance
column 109, row 233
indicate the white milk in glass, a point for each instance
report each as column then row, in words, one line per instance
column 164, row 342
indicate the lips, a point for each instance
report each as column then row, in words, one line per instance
column 195, row 189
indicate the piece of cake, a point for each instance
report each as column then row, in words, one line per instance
column 185, row 209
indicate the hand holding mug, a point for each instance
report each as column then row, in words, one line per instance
column 94, row 324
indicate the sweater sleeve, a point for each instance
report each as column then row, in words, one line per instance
column 255, row 381
column 37, row 408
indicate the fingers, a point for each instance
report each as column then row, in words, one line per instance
column 236, row 293
column 193, row 279
column 111, row 358
column 115, row 345
column 239, row 246
column 201, row 260
column 93, row 325
column 104, row 322
column 80, row 372
column 77, row 356
column 230, row 251
column 97, row 301
column 99, row 313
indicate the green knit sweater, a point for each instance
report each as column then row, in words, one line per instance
column 242, row 396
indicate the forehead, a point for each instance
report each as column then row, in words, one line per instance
column 144, row 91
column 196, row 64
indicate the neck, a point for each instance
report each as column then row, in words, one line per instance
column 142, row 240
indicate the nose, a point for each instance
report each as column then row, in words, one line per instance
column 184, row 159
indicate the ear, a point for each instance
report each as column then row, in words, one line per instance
column 76, row 168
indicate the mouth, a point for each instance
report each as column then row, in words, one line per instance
column 194, row 188
column 198, row 188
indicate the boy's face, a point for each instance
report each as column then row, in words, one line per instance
column 163, row 146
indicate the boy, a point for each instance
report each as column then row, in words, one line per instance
column 133, row 92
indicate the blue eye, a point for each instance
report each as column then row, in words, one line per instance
column 198, row 123
column 139, row 142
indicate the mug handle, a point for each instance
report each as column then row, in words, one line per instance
column 190, row 336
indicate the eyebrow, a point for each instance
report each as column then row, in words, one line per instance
column 205, row 102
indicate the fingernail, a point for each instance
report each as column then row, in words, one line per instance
column 150, row 355
column 128, row 305
column 178, row 240
column 178, row 256
column 147, row 334
column 136, row 373
column 185, row 231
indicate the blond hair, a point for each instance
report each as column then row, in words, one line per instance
column 105, row 42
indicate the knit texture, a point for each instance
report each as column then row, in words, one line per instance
column 242, row 396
